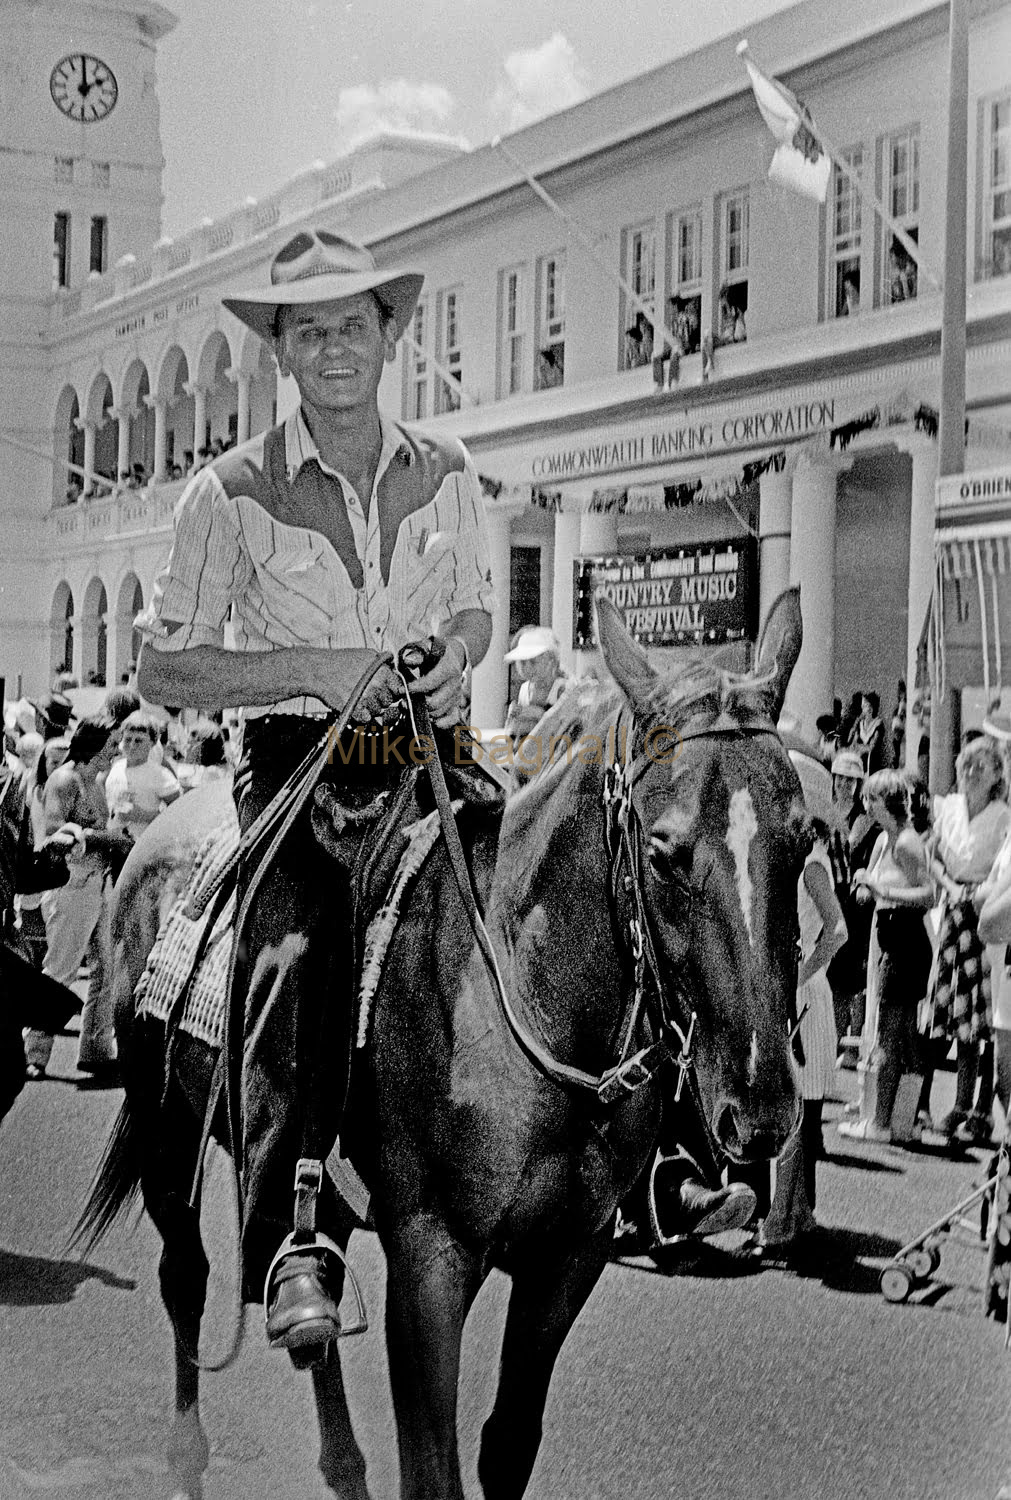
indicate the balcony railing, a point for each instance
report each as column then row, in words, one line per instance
column 123, row 515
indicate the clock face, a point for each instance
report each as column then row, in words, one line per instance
column 83, row 87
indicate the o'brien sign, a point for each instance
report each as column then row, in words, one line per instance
column 703, row 595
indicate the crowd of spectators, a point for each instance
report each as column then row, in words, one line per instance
column 105, row 777
column 138, row 476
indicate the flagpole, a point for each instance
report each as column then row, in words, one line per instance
column 59, row 463
column 904, row 238
column 445, row 375
column 951, row 427
column 579, row 234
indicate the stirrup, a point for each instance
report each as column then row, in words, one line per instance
column 321, row 1244
column 305, row 1237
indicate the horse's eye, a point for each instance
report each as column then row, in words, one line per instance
column 667, row 862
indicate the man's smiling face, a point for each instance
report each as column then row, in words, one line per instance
column 336, row 351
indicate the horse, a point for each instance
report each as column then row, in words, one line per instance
column 638, row 905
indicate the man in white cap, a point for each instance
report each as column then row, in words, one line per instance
column 332, row 540
column 537, row 656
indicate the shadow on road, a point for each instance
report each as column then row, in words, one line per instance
column 32, row 1281
column 836, row 1257
column 865, row 1164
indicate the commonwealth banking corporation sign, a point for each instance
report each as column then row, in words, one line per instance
column 612, row 450
column 704, row 595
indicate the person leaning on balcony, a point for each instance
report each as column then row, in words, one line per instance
column 332, row 540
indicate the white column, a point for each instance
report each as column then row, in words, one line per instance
column 160, row 408
column 774, row 522
column 89, row 429
column 199, row 393
column 923, row 451
column 567, row 544
column 241, row 383
column 77, row 661
column 488, row 689
column 812, row 565
column 122, row 415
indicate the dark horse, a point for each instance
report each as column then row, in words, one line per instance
column 475, row 1156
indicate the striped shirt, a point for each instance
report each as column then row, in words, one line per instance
column 274, row 539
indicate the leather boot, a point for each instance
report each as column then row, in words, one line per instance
column 302, row 1316
column 680, row 1204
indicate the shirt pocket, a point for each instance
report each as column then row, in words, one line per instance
column 430, row 572
column 297, row 584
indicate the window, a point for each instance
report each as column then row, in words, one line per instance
column 639, row 270
column 997, row 200
column 63, row 170
column 417, row 366
column 61, row 251
column 686, row 280
column 447, row 397
column 902, row 195
column 100, row 174
column 98, row 258
column 845, row 238
column 550, row 321
column 735, row 234
column 512, row 318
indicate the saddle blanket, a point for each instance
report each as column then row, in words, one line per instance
column 170, row 962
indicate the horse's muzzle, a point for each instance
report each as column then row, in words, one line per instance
column 755, row 1134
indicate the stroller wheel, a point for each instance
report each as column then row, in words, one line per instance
column 896, row 1282
column 922, row 1263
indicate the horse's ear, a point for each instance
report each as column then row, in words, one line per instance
column 626, row 661
column 778, row 649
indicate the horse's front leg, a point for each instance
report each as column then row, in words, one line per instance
column 341, row 1461
column 547, row 1297
column 431, row 1282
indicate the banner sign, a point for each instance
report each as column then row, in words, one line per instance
column 685, row 596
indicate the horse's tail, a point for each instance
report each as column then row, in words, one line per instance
column 115, row 1185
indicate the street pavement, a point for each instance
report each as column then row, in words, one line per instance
column 710, row 1379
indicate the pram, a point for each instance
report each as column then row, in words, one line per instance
column 915, row 1263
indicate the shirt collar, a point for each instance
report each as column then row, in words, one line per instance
column 300, row 447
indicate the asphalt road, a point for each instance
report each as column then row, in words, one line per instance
column 714, row 1381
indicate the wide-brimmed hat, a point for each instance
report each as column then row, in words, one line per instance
column 534, row 642
column 320, row 266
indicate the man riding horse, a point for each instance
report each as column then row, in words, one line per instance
column 332, row 540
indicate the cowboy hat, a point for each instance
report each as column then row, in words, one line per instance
column 56, row 708
column 320, row 266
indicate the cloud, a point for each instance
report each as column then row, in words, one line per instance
column 541, row 81
column 422, row 109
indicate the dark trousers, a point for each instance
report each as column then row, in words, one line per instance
column 294, row 968
column 12, row 1057
column 899, row 1043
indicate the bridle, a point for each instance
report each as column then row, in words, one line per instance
column 675, row 1027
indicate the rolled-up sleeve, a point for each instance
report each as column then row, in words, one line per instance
column 206, row 568
column 471, row 586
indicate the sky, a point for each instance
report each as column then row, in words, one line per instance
column 253, row 90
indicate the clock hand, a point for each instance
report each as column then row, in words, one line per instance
column 84, row 87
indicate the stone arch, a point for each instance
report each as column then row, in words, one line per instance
column 61, row 631
column 214, row 350
column 95, row 635
column 173, row 377
column 222, row 399
column 134, row 377
column 127, row 640
column 99, row 399
column 68, row 445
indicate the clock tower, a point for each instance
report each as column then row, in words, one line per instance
column 80, row 186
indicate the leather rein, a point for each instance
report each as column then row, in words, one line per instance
column 623, row 838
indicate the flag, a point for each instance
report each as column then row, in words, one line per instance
column 798, row 161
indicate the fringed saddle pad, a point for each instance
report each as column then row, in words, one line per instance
column 170, row 962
